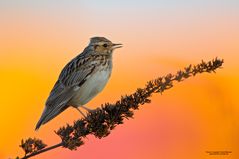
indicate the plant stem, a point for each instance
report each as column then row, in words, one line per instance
column 43, row 150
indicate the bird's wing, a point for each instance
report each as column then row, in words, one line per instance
column 74, row 74
column 78, row 75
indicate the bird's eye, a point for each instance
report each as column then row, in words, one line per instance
column 105, row 45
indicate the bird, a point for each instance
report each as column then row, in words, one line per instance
column 81, row 79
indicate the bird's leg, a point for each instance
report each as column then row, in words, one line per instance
column 81, row 112
column 86, row 108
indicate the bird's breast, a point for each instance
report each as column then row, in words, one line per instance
column 98, row 80
column 91, row 87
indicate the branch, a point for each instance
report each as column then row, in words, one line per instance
column 42, row 150
column 101, row 121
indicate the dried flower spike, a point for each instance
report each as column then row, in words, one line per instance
column 101, row 121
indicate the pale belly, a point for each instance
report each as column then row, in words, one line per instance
column 90, row 88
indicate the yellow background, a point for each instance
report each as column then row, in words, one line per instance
column 37, row 38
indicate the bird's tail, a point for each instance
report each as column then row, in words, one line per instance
column 49, row 114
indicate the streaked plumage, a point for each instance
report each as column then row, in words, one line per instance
column 81, row 79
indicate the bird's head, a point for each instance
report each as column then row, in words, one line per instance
column 103, row 45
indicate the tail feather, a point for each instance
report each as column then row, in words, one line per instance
column 49, row 114
column 40, row 122
column 55, row 105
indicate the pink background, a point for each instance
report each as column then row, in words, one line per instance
column 37, row 38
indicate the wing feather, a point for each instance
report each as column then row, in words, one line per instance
column 74, row 74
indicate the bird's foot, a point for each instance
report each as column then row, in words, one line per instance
column 81, row 112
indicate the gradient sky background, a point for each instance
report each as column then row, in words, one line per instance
column 37, row 38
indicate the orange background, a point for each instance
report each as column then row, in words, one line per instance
column 37, row 38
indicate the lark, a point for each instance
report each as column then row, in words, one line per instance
column 81, row 79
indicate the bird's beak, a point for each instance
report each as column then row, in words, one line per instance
column 115, row 46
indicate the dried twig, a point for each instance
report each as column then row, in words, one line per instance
column 102, row 120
